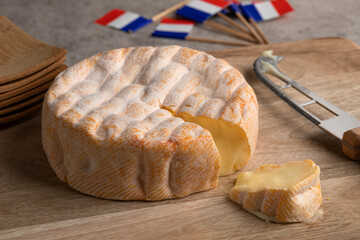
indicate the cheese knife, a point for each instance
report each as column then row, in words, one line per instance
column 343, row 126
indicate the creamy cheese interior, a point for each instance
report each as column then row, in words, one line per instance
column 275, row 176
column 230, row 140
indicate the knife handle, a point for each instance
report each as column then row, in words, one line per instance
column 351, row 143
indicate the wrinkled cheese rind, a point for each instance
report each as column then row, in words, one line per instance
column 293, row 200
column 111, row 125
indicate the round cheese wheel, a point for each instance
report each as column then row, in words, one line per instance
column 148, row 123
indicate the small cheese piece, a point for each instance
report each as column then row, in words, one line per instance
column 148, row 123
column 280, row 193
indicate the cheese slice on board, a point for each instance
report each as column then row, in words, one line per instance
column 280, row 193
column 148, row 123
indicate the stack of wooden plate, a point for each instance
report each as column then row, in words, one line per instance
column 27, row 68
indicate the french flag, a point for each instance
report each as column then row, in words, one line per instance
column 173, row 28
column 202, row 10
column 234, row 6
column 266, row 10
column 123, row 20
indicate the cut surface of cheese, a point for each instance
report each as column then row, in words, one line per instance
column 230, row 140
column 148, row 123
column 280, row 193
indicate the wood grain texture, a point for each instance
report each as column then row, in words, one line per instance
column 21, row 54
column 21, row 113
column 352, row 138
column 30, row 80
column 31, row 89
column 34, row 204
column 208, row 218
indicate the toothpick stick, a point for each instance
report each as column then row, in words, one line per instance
column 169, row 10
column 252, row 21
column 251, row 29
column 230, row 31
column 236, row 43
column 232, row 22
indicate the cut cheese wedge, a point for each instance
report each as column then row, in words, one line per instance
column 280, row 193
column 148, row 123
column 230, row 140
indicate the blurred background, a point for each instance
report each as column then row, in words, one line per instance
column 70, row 24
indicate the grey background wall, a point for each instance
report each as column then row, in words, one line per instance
column 70, row 24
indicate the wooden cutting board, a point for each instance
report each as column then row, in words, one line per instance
column 36, row 205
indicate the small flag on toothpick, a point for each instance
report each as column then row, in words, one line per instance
column 173, row 28
column 255, row 30
column 202, row 10
column 180, row 29
column 123, row 20
column 266, row 10
column 234, row 6
column 130, row 22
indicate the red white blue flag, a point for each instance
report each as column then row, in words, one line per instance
column 173, row 28
column 265, row 10
column 202, row 10
column 123, row 20
column 234, row 6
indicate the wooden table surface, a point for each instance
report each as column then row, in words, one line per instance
column 34, row 204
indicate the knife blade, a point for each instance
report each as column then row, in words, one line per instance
column 342, row 125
